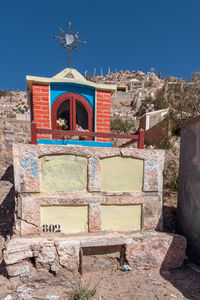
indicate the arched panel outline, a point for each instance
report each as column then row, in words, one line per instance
column 72, row 98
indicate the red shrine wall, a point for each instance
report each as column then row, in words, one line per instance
column 41, row 108
column 103, row 106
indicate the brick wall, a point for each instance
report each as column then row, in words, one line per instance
column 41, row 113
column 103, row 107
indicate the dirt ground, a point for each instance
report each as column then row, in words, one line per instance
column 183, row 283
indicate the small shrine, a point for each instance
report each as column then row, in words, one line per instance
column 68, row 109
column 69, row 102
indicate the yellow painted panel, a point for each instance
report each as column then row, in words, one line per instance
column 69, row 219
column 121, row 174
column 63, row 173
column 121, row 217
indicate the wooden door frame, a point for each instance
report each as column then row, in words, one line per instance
column 72, row 97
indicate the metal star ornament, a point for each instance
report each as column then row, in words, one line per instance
column 69, row 41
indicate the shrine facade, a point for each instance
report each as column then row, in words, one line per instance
column 69, row 102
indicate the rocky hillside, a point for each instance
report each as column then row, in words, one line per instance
column 14, row 105
column 133, row 87
column 134, row 90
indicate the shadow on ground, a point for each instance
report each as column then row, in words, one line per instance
column 186, row 279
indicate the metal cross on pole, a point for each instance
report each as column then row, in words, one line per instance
column 69, row 41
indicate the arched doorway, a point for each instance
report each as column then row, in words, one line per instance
column 71, row 112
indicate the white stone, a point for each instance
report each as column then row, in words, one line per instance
column 11, row 258
column 18, row 269
column 9, row 297
column 52, row 297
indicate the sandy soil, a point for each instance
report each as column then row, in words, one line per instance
column 183, row 283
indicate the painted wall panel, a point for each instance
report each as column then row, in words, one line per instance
column 67, row 219
column 63, row 173
column 121, row 217
column 57, row 90
column 121, row 174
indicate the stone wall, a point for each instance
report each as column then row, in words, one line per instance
column 49, row 176
column 50, row 249
column 31, row 257
column 11, row 131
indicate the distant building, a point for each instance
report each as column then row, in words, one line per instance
column 151, row 122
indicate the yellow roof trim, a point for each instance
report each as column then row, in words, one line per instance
column 67, row 75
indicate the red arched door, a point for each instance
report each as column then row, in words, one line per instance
column 71, row 110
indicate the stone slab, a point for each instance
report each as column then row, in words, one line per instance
column 147, row 249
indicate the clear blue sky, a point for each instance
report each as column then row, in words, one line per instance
column 128, row 34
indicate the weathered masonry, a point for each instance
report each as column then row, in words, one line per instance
column 189, row 187
column 84, row 189
column 74, row 201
